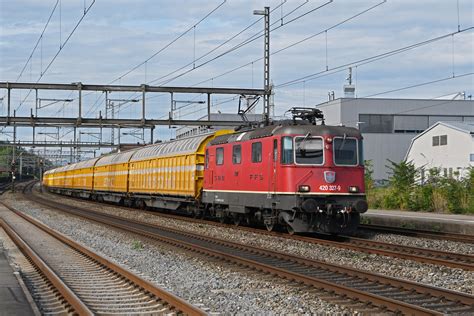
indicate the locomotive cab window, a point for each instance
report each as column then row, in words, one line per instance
column 220, row 156
column 206, row 159
column 309, row 150
column 236, row 154
column 257, row 152
column 275, row 150
column 345, row 151
column 286, row 150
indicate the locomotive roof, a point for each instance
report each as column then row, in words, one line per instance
column 287, row 129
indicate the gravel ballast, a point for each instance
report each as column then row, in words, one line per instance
column 215, row 285
column 443, row 277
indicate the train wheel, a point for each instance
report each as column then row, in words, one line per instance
column 237, row 220
column 270, row 227
column 290, row 230
column 140, row 204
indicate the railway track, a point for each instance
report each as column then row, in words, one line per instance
column 68, row 278
column 378, row 291
column 469, row 239
column 432, row 256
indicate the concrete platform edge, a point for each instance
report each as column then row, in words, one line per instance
column 412, row 220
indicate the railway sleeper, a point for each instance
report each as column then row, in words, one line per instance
column 123, row 300
column 439, row 304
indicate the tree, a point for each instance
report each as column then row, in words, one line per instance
column 402, row 183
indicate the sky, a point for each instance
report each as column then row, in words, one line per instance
column 115, row 36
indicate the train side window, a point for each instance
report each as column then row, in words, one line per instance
column 275, row 150
column 206, row 159
column 236, row 154
column 286, row 150
column 257, row 152
column 220, row 156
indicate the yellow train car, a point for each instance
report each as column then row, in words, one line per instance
column 47, row 178
column 83, row 175
column 58, row 177
column 69, row 176
column 111, row 175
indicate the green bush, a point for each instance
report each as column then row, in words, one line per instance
column 422, row 198
column 437, row 194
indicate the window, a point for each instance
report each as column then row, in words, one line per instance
column 443, row 140
column 361, row 153
column 440, row 140
column 471, row 157
column 275, row 150
column 410, row 123
column 309, row 151
column 220, row 156
column 436, row 118
column 286, row 150
column 257, row 152
column 345, row 151
column 376, row 123
column 236, row 154
column 206, row 160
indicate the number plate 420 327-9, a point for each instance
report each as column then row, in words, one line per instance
column 326, row 187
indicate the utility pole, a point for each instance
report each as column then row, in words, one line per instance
column 41, row 174
column 13, row 164
column 266, row 64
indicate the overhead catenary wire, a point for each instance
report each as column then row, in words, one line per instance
column 58, row 52
column 209, row 52
column 374, row 58
column 38, row 40
column 193, row 27
column 169, row 44
column 244, row 43
column 295, row 43
column 219, row 46
column 411, row 86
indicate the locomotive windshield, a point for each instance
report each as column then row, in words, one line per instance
column 309, row 151
column 345, row 151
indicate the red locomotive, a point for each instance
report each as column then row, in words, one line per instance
column 299, row 175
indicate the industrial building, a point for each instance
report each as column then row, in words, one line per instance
column 447, row 146
column 389, row 125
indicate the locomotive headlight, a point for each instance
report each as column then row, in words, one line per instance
column 353, row 189
column 304, row 188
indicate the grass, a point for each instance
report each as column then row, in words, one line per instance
column 137, row 245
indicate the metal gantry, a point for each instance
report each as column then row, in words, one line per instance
column 35, row 120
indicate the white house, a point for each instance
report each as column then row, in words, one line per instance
column 445, row 145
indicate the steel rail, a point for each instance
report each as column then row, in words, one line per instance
column 215, row 249
column 177, row 303
column 72, row 299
